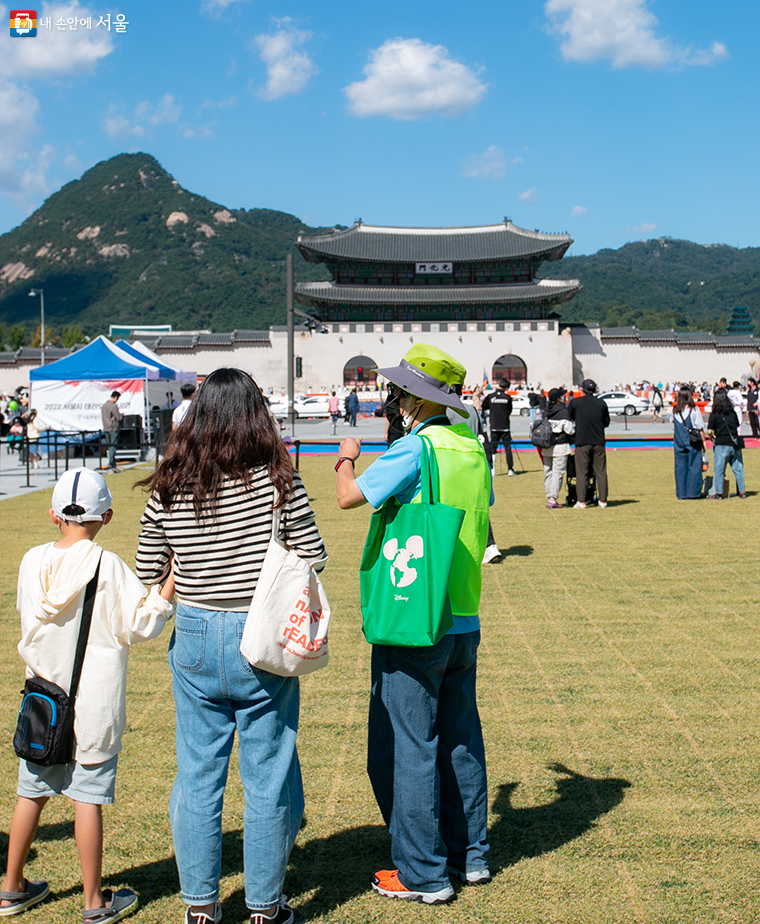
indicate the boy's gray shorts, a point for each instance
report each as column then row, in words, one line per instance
column 93, row 783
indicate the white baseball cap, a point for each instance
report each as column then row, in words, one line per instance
column 86, row 489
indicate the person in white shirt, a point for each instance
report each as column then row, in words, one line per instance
column 178, row 416
column 51, row 590
column 735, row 397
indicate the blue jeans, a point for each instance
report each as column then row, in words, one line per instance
column 728, row 455
column 113, row 441
column 426, row 760
column 216, row 691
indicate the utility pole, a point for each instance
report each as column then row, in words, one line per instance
column 42, row 322
column 291, row 342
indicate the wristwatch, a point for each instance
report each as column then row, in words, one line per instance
column 342, row 460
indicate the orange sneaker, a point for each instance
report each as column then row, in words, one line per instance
column 387, row 883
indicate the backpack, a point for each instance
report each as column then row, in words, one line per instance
column 541, row 433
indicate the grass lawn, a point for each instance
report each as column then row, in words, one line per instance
column 619, row 694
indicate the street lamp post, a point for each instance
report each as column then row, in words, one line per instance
column 39, row 292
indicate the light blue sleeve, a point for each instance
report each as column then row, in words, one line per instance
column 395, row 473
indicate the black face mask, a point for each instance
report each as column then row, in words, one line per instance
column 392, row 411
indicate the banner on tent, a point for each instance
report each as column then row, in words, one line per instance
column 76, row 405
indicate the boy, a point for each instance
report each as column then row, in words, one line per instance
column 51, row 586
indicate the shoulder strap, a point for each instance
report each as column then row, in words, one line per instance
column 429, row 473
column 84, row 632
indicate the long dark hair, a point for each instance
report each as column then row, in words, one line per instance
column 722, row 403
column 226, row 433
column 685, row 399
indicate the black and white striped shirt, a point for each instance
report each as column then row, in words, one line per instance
column 217, row 561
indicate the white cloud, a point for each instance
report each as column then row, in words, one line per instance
column 490, row 165
column 144, row 118
column 288, row 70
column 410, row 79
column 203, row 131
column 528, row 196
column 621, row 31
column 579, row 210
column 644, row 228
column 23, row 165
column 54, row 53
column 222, row 104
column 215, row 8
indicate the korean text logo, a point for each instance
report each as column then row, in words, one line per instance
column 23, row 23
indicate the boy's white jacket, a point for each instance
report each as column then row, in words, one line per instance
column 51, row 586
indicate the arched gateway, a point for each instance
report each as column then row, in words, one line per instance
column 360, row 371
column 509, row 367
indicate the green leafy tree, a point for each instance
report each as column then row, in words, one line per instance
column 16, row 337
column 72, row 335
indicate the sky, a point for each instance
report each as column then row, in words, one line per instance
column 612, row 120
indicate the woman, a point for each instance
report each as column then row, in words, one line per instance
column 210, row 509
column 723, row 430
column 657, row 403
column 555, row 456
column 688, row 457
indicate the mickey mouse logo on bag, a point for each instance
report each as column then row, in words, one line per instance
column 401, row 574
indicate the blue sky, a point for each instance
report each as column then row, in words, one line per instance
column 613, row 120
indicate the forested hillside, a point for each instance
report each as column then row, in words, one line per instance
column 127, row 244
column 661, row 284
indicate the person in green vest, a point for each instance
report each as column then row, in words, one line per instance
column 426, row 759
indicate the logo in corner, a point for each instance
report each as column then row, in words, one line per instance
column 401, row 574
column 23, row 23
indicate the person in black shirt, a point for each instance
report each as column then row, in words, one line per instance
column 753, row 407
column 498, row 405
column 723, row 430
column 591, row 416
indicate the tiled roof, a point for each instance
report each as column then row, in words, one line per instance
column 685, row 338
column 214, row 339
column 657, row 336
column 251, row 336
column 546, row 289
column 737, row 341
column 419, row 245
column 8, row 359
column 696, row 337
column 619, row 333
column 168, row 342
column 29, row 354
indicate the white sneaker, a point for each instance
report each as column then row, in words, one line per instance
column 580, row 505
column 602, row 504
column 492, row 553
column 512, row 472
column 472, row 877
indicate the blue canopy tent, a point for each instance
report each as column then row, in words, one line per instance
column 69, row 393
column 100, row 359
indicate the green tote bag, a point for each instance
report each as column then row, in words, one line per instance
column 406, row 566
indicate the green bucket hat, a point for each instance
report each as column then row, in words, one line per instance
column 428, row 373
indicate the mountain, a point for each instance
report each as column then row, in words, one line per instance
column 127, row 244
column 661, row 284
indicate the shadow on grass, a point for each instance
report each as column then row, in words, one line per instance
column 523, row 551
column 531, row 832
column 332, row 870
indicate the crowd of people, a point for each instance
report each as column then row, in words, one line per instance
column 225, row 482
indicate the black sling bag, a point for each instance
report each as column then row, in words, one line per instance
column 45, row 730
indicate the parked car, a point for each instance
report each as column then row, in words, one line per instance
column 316, row 405
column 623, row 402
